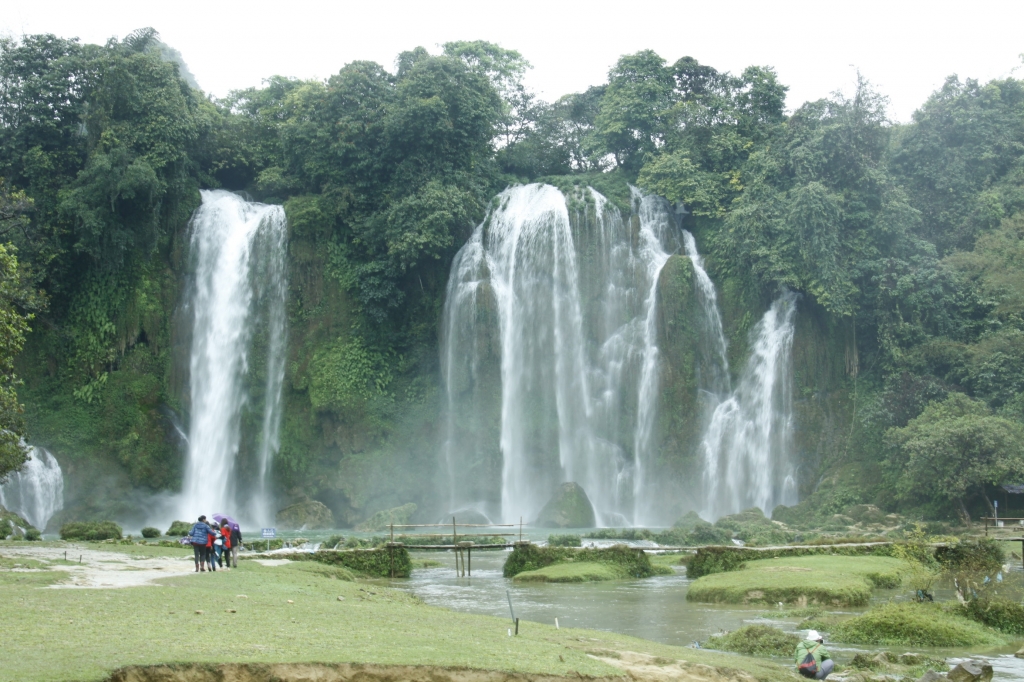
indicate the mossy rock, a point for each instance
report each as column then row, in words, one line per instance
column 689, row 521
column 383, row 519
column 12, row 526
column 179, row 529
column 569, row 507
column 865, row 513
column 308, row 515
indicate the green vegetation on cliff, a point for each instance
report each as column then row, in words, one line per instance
column 904, row 241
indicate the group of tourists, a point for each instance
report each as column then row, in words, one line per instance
column 215, row 545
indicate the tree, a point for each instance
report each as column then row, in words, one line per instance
column 952, row 450
column 13, row 328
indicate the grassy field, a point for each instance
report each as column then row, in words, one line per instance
column 829, row 580
column 278, row 614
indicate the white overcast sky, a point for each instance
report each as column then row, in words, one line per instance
column 906, row 49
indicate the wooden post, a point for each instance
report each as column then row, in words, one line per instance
column 391, row 552
column 986, row 526
column 517, row 627
column 469, row 552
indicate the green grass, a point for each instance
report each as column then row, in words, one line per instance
column 83, row 634
column 913, row 624
column 831, row 580
column 577, row 572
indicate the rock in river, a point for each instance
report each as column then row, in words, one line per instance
column 569, row 507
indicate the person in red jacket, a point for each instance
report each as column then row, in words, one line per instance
column 225, row 531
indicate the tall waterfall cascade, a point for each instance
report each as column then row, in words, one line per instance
column 236, row 300
column 548, row 339
column 551, row 367
column 36, row 491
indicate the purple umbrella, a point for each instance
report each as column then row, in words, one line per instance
column 220, row 518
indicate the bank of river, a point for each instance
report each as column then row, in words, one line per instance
column 653, row 608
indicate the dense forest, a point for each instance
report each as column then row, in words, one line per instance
column 905, row 241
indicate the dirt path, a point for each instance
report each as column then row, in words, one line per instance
column 101, row 569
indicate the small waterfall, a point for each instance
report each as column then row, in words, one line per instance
column 238, row 251
column 548, row 337
column 714, row 378
column 747, row 443
column 36, row 491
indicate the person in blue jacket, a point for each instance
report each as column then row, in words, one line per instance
column 199, row 536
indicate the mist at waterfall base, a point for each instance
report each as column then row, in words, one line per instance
column 36, row 491
column 235, row 300
column 550, row 365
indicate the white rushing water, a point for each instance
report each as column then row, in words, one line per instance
column 36, row 491
column 549, row 338
column 746, row 446
column 239, row 287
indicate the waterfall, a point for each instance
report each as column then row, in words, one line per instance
column 746, row 445
column 548, row 338
column 36, row 491
column 237, row 296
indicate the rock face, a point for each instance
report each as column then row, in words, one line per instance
column 971, row 671
column 865, row 513
column 307, row 515
column 384, row 518
column 569, row 507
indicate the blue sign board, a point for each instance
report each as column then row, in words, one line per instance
column 269, row 532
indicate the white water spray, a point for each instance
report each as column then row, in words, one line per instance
column 238, row 251
column 558, row 316
column 36, row 491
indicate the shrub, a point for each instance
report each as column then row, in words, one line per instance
column 710, row 560
column 90, row 530
column 982, row 557
column 376, row 563
column 911, row 624
column 333, row 542
column 564, row 541
column 1002, row 614
column 33, row 534
column 756, row 640
column 179, row 529
column 149, row 532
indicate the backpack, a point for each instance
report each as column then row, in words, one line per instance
column 809, row 666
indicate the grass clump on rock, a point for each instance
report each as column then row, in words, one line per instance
column 755, row 640
column 623, row 562
column 913, row 624
column 90, row 530
column 564, row 541
column 832, row 580
column 149, row 532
